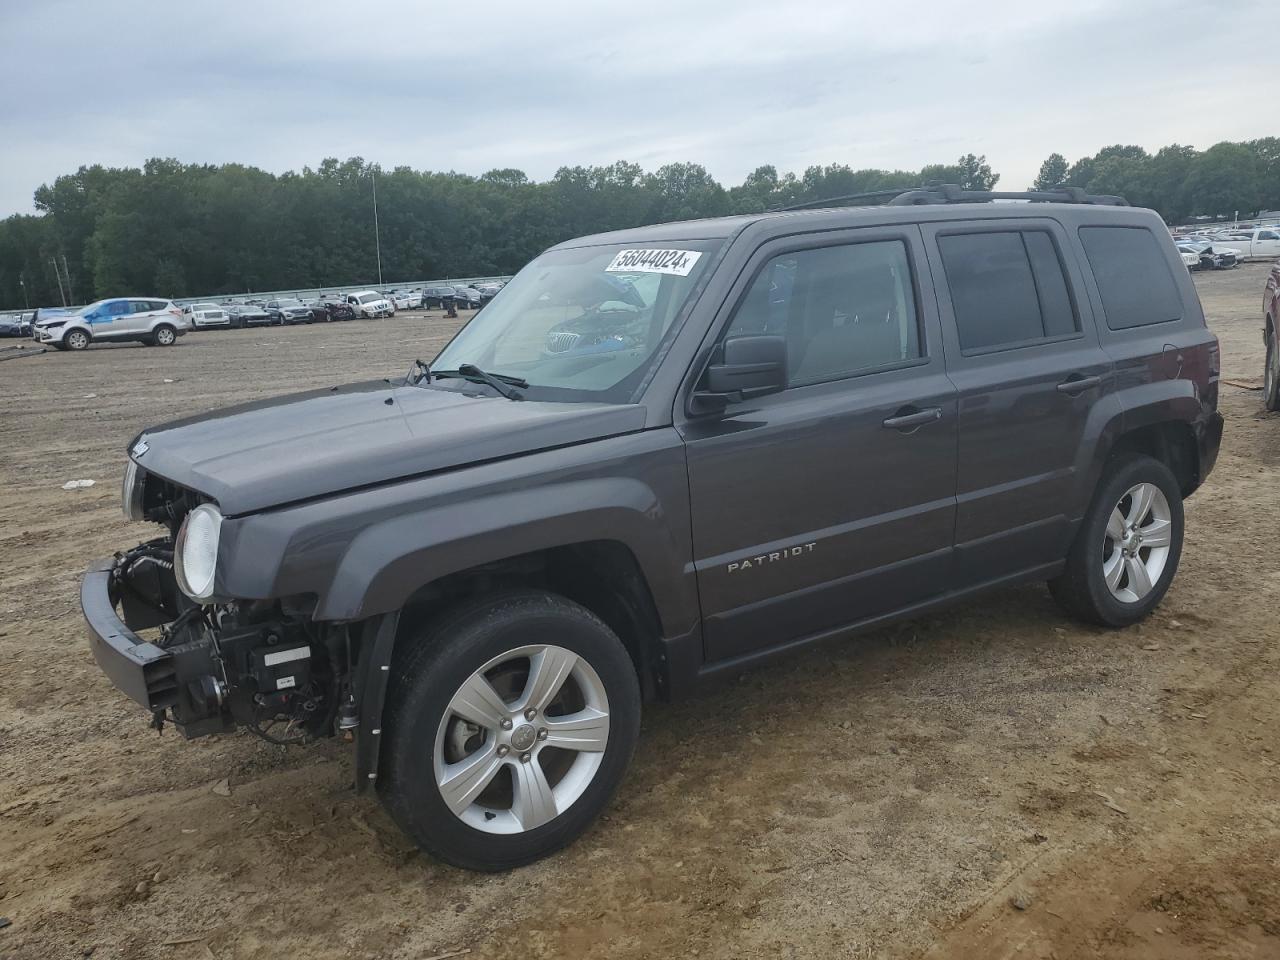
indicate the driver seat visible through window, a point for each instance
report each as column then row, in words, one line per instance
column 844, row 309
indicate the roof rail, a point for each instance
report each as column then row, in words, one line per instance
column 832, row 201
column 952, row 193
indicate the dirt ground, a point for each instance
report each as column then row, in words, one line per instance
column 991, row 782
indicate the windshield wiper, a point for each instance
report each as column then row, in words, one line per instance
column 499, row 381
column 420, row 371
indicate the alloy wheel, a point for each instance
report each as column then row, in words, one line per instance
column 521, row 739
column 165, row 337
column 1136, row 545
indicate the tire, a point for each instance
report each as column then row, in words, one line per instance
column 1082, row 589
column 1271, row 378
column 76, row 340
column 164, row 335
column 498, row 639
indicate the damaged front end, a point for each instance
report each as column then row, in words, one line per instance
column 204, row 663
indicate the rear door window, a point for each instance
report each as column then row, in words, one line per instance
column 1007, row 289
column 1133, row 276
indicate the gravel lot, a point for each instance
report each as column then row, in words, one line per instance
column 889, row 797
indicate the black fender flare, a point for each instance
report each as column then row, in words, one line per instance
column 387, row 562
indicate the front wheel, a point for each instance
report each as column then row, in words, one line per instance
column 1127, row 549
column 1271, row 377
column 76, row 340
column 510, row 724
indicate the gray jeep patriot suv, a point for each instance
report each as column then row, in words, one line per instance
column 659, row 456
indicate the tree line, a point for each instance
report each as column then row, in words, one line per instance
column 175, row 229
column 1178, row 182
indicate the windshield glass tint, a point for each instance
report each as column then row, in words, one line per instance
column 586, row 323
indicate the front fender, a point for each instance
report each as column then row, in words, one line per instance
column 366, row 552
column 388, row 561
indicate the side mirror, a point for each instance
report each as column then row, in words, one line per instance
column 749, row 366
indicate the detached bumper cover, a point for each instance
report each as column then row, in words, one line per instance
column 141, row 670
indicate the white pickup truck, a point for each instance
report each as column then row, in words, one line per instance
column 1262, row 243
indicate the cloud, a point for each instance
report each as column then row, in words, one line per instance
column 729, row 84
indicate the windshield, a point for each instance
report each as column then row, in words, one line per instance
column 369, row 297
column 583, row 324
column 290, row 303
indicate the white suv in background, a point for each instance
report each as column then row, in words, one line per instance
column 148, row 320
column 206, row 315
column 370, row 303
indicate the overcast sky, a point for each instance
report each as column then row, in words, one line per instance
column 731, row 85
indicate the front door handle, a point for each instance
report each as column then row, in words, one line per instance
column 909, row 421
column 1074, row 386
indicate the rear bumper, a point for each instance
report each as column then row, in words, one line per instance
column 139, row 669
column 1209, row 440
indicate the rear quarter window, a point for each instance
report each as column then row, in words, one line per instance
column 1133, row 276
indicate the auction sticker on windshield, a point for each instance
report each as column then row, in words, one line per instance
column 675, row 262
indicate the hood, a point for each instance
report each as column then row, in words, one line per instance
column 322, row 442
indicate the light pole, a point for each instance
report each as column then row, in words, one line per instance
column 377, row 239
column 26, row 304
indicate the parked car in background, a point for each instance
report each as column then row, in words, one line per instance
column 1190, row 259
column 1212, row 256
column 206, row 315
column 488, row 291
column 370, row 303
column 1270, row 320
column 467, row 298
column 16, row 325
column 405, row 300
column 248, row 315
column 319, row 310
column 437, row 298
column 152, row 321
column 1260, row 244
column 288, row 311
column 337, row 309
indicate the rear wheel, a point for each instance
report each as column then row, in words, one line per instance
column 164, row 335
column 76, row 340
column 1127, row 549
column 1271, row 378
column 510, row 724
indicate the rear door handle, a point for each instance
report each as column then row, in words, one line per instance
column 1075, row 386
column 908, row 421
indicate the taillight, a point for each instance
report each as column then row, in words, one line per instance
column 175, row 312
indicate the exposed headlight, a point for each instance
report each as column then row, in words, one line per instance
column 131, row 491
column 196, row 553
